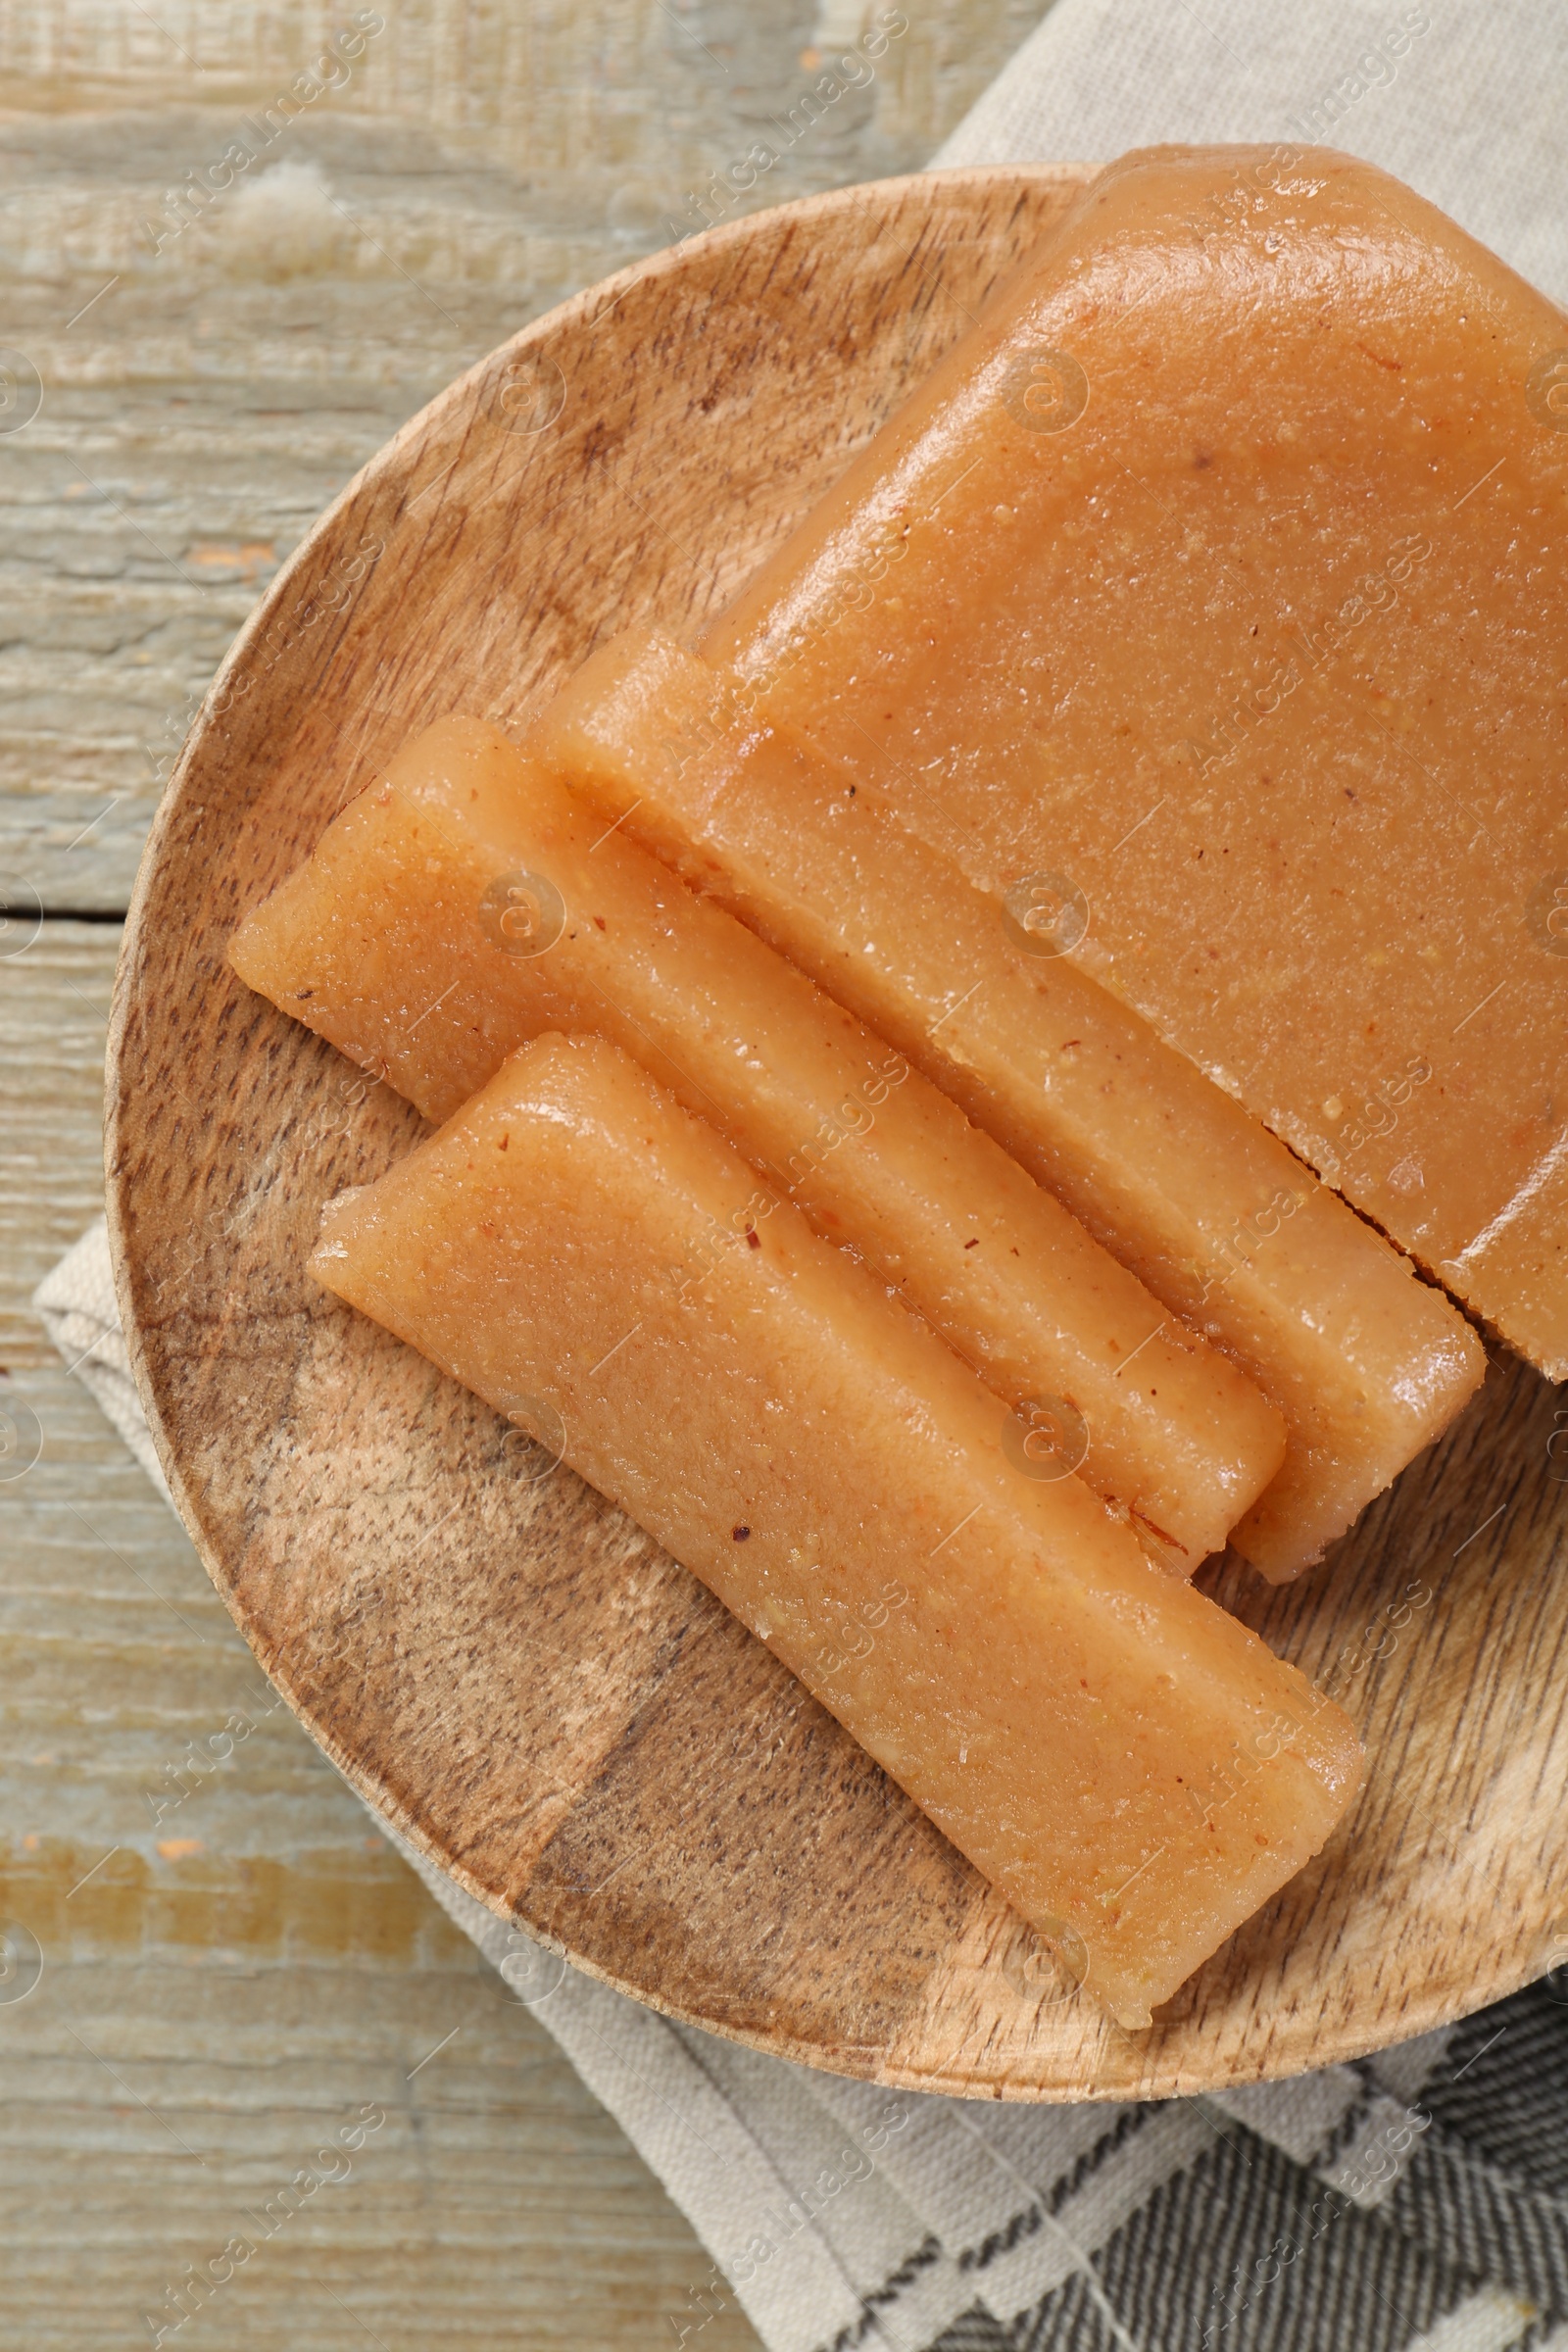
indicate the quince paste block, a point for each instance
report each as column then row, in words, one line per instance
column 1366, row 1363
column 1130, row 1765
column 1218, row 572
column 468, row 903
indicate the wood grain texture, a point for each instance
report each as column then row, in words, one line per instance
column 540, row 1698
column 202, row 403
column 55, row 988
column 196, row 420
column 225, row 1982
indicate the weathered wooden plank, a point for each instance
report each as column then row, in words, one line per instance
column 247, row 1963
column 239, row 1976
column 477, row 164
column 55, row 979
column 279, row 1963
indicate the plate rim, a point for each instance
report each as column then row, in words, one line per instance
column 1430, row 2005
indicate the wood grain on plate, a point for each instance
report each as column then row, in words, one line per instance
column 518, row 1677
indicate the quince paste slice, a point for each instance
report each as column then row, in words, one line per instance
column 1366, row 1363
column 1217, row 573
column 468, row 903
column 1127, row 1762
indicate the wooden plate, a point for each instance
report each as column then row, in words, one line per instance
column 517, row 1677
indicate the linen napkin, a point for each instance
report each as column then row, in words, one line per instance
column 1415, row 2202
column 1462, row 99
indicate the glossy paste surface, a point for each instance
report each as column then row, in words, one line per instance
column 468, row 903
column 1217, row 575
column 1131, row 1766
column 1366, row 1363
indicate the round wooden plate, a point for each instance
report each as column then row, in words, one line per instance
column 517, row 1677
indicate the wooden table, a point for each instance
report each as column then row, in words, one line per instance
column 233, row 1974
